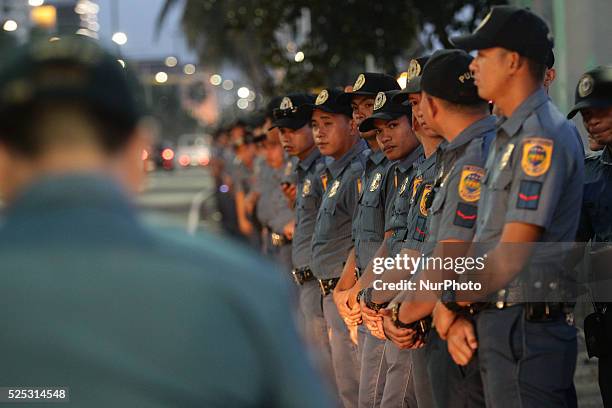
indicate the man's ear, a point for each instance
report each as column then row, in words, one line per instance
column 130, row 164
column 549, row 77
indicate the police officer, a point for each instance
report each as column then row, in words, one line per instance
column 375, row 198
column 243, row 177
column 331, row 240
column 400, row 370
column 273, row 210
column 298, row 142
column 594, row 102
column 121, row 313
column 532, row 192
column 452, row 107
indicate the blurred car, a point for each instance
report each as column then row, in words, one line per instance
column 161, row 156
column 192, row 150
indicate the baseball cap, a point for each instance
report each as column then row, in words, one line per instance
column 513, row 28
column 370, row 84
column 328, row 100
column 447, row 76
column 385, row 108
column 413, row 79
column 72, row 68
column 594, row 90
column 293, row 111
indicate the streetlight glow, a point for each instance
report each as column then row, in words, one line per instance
column 215, row 79
column 243, row 92
column 36, row 3
column 189, row 69
column 10, row 25
column 242, row 104
column 299, row 57
column 161, row 77
column 171, row 61
column 228, row 84
column 120, row 38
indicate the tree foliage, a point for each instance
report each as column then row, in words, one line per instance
column 261, row 37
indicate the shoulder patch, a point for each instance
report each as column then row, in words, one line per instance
column 415, row 186
column 465, row 215
column 425, row 202
column 529, row 195
column 469, row 183
column 537, row 155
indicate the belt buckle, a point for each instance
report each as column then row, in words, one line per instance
column 276, row 239
column 295, row 276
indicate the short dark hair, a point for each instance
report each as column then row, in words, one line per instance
column 477, row 107
column 20, row 129
column 537, row 70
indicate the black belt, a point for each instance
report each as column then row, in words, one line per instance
column 302, row 275
column 536, row 311
column 327, row 285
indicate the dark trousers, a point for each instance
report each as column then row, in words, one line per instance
column 526, row 364
column 605, row 363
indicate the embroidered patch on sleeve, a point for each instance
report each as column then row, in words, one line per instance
column 469, row 183
column 529, row 195
column 465, row 215
column 537, row 155
column 420, row 230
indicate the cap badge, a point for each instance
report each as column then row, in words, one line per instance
column 322, row 97
column 414, row 69
column 359, row 83
column 380, row 100
column 286, row 103
column 585, row 86
column 484, row 21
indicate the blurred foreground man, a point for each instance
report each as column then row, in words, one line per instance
column 95, row 301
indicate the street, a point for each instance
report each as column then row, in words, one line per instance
column 168, row 197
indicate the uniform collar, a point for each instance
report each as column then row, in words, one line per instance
column 71, row 191
column 477, row 128
column 407, row 162
column 431, row 160
column 376, row 157
column 310, row 159
column 336, row 167
column 512, row 124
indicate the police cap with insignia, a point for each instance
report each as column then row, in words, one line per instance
column 293, row 111
column 594, row 90
column 73, row 69
column 513, row 28
column 370, row 84
column 385, row 108
column 413, row 78
column 328, row 100
column 447, row 76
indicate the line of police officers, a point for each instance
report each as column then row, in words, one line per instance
column 377, row 171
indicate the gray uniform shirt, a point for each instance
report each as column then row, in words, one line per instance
column 418, row 219
column 457, row 190
column 273, row 209
column 375, row 204
column 309, row 193
column 534, row 175
column 332, row 240
column 404, row 172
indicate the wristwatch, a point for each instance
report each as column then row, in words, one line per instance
column 367, row 298
column 449, row 300
column 396, row 320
